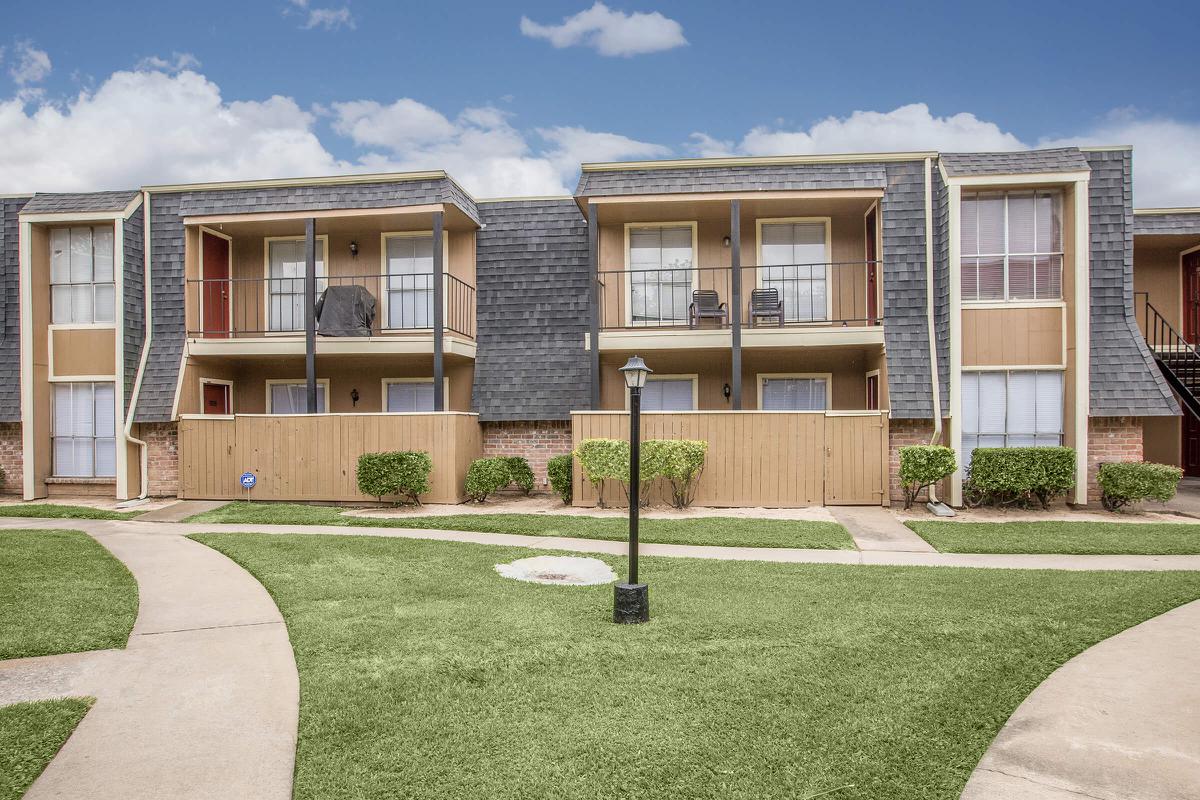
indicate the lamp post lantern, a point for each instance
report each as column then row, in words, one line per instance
column 631, row 601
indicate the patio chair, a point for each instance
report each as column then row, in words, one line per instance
column 765, row 304
column 706, row 304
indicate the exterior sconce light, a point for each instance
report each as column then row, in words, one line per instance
column 354, row 249
column 631, row 600
column 354, row 397
column 725, row 241
column 726, row 391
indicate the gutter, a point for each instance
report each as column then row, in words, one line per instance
column 935, row 387
column 137, row 384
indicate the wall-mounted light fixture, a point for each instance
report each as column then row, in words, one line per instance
column 354, row 249
column 354, row 397
column 725, row 241
column 726, row 391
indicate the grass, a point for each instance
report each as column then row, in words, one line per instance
column 30, row 735
column 423, row 674
column 1076, row 538
column 61, row 592
column 733, row 531
column 56, row 511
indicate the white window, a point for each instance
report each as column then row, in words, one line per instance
column 794, row 256
column 660, row 274
column 82, row 288
column 292, row 398
column 1011, row 246
column 1011, row 409
column 668, row 394
column 409, row 396
column 793, row 393
column 409, row 281
column 285, row 284
column 84, row 430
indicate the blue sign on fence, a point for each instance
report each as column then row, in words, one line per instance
column 248, row 480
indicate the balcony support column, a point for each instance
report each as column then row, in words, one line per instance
column 594, row 301
column 439, row 368
column 735, row 311
column 310, row 312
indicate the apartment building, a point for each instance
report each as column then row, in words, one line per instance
column 806, row 315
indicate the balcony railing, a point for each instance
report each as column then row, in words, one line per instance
column 843, row 294
column 252, row 307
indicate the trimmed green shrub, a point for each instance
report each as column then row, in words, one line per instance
column 601, row 460
column 1130, row 482
column 486, row 476
column 921, row 466
column 558, row 470
column 681, row 461
column 400, row 472
column 1020, row 475
column 520, row 473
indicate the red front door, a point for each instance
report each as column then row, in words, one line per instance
column 872, row 269
column 216, row 398
column 214, row 297
column 1191, row 296
column 873, row 392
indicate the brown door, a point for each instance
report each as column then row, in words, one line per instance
column 215, row 293
column 216, row 398
column 873, row 392
column 856, row 460
column 1191, row 445
column 872, row 255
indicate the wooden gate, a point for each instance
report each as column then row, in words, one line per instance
column 856, row 459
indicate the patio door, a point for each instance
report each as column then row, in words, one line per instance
column 1191, row 297
column 794, row 258
column 215, row 297
column 217, row 398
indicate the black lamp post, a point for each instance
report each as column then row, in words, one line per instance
column 631, row 602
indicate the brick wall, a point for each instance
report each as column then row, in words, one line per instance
column 10, row 457
column 1111, row 439
column 536, row 441
column 903, row 433
column 162, row 453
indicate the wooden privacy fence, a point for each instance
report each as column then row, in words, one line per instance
column 774, row 459
column 315, row 456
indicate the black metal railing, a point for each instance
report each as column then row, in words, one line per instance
column 808, row 295
column 1177, row 358
column 220, row 308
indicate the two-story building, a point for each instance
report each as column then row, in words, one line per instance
column 806, row 315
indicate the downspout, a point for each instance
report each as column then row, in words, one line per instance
column 929, row 310
column 137, row 384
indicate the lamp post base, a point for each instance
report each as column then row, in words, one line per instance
column 631, row 603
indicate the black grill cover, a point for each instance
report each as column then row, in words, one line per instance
column 345, row 311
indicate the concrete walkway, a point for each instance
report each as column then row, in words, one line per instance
column 181, row 510
column 877, row 529
column 202, row 703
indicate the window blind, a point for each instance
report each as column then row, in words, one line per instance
column 287, row 263
column 292, row 398
column 667, row 395
column 410, row 396
column 793, row 394
column 83, row 430
column 410, row 281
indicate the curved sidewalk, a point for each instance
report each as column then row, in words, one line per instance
column 202, row 703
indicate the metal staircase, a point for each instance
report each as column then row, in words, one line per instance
column 1178, row 360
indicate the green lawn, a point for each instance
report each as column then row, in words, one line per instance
column 30, row 735
column 61, row 592
column 698, row 530
column 1078, row 538
column 56, row 511
column 424, row 674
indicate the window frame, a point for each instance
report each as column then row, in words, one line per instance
column 383, row 275
column 1007, row 372
column 94, row 438
column 628, row 282
column 217, row 381
column 117, row 266
column 1059, row 196
column 693, row 377
column 385, row 382
column 322, row 383
column 322, row 274
column 827, row 376
column 829, row 278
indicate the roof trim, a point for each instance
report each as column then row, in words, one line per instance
column 83, row 216
column 1153, row 211
column 518, row 199
column 328, row 180
column 753, row 161
column 1100, row 148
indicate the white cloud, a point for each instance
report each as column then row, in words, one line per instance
column 398, row 126
column 610, row 33
column 30, row 64
column 330, row 19
column 178, row 62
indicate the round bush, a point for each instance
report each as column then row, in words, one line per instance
column 559, row 470
column 486, row 476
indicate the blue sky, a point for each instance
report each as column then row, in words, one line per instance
column 169, row 91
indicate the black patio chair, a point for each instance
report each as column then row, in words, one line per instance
column 706, row 304
column 765, row 304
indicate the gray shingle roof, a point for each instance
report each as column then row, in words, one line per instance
column 60, row 203
column 134, row 299
column 794, row 177
column 326, row 197
column 533, row 278
column 1062, row 159
column 1125, row 381
column 10, row 309
column 1182, row 223
column 157, row 393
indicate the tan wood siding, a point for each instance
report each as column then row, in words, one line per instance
column 769, row 459
column 995, row 337
column 83, row 351
column 314, row 458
